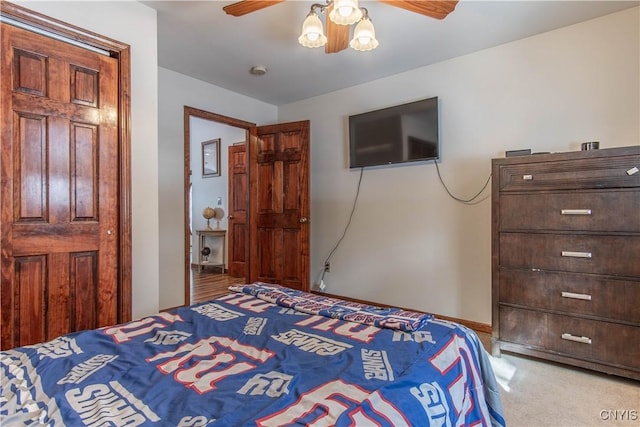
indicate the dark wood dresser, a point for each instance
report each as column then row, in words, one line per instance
column 566, row 258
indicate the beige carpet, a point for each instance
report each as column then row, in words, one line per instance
column 537, row 393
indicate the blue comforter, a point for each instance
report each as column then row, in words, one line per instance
column 263, row 355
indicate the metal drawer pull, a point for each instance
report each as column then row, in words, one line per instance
column 634, row 170
column 575, row 212
column 569, row 337
column 576, row 254
column 576, row 296
column 527, row 177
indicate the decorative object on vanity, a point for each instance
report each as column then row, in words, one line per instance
column 209, row 213
column 218, row 214
column 565, row 251
column 594, row 145
column 211, row 158
column 206, row 251
column 513, row 153
column 341, row 14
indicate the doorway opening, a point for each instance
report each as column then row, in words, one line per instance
column 199, row 284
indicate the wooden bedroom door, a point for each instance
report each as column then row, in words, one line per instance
column 238, row 201
column 279, row 204
column 59, row 216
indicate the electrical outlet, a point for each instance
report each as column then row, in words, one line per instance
column 327, row 267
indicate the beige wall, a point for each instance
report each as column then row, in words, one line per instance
column 409, row 243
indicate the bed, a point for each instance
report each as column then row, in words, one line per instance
column 262, row 355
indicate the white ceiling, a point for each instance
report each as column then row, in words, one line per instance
column 198, row 39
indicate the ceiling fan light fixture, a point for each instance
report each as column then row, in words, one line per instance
column 364, row 36
column 312, row 31
column 345, row 12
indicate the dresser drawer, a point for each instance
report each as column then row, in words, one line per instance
column 526, row 327
column 603, row 211
column 597, row 254
column 581, row 294
column 615, row 172
column 586, row 339
column 593, row 340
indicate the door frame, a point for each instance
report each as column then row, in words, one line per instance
column 122, row 53
column 225, row 120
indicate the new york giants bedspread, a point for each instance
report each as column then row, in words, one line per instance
column 263, row 355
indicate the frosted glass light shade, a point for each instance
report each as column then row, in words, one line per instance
column 312, row 32
column 345, row 12
column 364, row 36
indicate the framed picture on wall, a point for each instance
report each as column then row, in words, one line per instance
column 211, row 158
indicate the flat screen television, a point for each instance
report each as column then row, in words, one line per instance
column 399, row 134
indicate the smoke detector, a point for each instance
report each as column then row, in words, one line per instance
column 258, row 70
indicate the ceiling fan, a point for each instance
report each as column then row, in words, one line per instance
column 337, row 37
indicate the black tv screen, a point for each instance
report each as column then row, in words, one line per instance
column 403, row 133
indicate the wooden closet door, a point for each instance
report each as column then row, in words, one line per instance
column 59, row 188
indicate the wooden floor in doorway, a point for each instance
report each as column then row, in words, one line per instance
column 209, row 284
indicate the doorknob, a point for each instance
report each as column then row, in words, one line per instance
column 230, row 217
column 304, row 220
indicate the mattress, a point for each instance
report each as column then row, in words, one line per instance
column 262, row 355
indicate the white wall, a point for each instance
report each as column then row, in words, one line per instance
column 135, row 24
column 175, row 91
column 409, row 243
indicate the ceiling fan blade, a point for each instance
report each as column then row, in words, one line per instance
column 247, row 6
column 438, row 9
column 337, row 35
